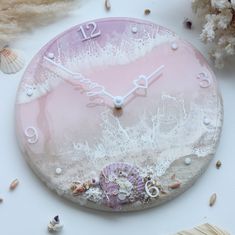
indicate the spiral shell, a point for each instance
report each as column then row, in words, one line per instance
column 121, row 183
column 10, row 61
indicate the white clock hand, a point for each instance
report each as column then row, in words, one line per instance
column 94, row 88
column 137, row 82
column 120, row 100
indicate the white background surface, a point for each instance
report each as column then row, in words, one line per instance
column 27, row 210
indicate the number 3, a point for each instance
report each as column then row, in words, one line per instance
column 205, row 81
column 90, row 27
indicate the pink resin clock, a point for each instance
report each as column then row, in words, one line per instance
column 118, row 114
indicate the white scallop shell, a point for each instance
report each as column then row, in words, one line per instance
column 10, row 61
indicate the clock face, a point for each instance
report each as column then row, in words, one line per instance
column 118, row 114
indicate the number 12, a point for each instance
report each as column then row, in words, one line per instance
column 89, row 28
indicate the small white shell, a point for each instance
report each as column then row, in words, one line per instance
column 10, row 61
column 55, row 225
column 54, row 228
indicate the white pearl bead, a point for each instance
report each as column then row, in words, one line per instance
column 58, row 171
column 206, row 121
column 134, row 29
column 187, row 161
column 50, row 56
column 174, row 46
column 29, row 92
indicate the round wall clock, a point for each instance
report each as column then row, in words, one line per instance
column 118, row 114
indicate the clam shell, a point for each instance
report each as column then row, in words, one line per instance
column 121, row 183
column 10, row 61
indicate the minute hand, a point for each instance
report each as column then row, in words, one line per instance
column 94, row 88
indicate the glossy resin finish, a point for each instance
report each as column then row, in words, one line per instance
column 118, row 114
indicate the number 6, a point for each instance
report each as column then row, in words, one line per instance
column 151, row 189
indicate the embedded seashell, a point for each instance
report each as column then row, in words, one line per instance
column 121, row 183
column 77, row 188
column 10, row 61
column 88, row 184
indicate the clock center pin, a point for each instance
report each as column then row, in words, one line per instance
column 118, row 102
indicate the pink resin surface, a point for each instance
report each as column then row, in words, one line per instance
column 118, row 159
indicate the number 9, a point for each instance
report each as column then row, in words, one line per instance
column 31, row 134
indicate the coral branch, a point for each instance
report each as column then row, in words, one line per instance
column 218, row 28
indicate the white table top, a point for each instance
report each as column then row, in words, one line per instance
column 28, row 209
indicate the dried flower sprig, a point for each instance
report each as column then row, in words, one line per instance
column 19, row 16
column 204, row 229
column 218, row 28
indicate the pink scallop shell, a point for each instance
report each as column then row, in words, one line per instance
column 110, row 187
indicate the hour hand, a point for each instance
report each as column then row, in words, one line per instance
column 142, row 82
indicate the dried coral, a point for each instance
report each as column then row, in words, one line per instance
column 218, row 28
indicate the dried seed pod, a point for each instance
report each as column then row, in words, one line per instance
column 218, row 164
column 14, row 184
column 188, row 23
column 107, row 5
column 147, row 11
column 175, row 185
column 212, row 199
